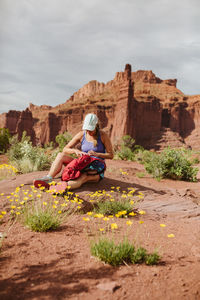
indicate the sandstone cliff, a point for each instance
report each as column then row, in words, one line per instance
column 151, row 110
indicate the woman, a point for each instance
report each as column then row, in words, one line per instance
column 94, row 142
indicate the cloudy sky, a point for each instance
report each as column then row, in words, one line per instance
column 51, row 48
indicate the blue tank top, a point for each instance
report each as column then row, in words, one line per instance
column 87, row 146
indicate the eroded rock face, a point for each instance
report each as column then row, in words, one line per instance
column 151, row 110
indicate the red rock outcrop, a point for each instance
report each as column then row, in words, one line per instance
column 151, row 110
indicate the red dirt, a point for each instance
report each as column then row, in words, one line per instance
column 58, row 265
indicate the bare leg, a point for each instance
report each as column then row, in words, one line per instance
column 74, row 184
column 56, row 166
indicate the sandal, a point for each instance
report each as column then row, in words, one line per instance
column 41, row 183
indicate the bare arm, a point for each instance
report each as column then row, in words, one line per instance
column 109, row 149
column 69, row 148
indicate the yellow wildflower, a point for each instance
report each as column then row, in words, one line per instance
column 106, row 219
column 3, row 212
column 86, row 219
column 114, row 226
column 129, row 223
column 142, row 212
column 98, row 216
column 141, row 222
column 44, row 203
column 89, row 213
column 162, row 225
column 171, row 235
column 101, row 229
column 132, row 214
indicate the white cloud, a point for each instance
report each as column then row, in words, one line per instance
column 49, row 49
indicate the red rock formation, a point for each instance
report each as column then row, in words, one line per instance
column 151, row 110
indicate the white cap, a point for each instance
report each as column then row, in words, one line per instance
column 90, row 122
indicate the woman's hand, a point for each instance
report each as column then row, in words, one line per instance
column 78, row 152
column 91, row 152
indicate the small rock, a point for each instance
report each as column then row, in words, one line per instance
column 111, row 286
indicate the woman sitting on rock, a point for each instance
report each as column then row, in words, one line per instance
column 94, row 143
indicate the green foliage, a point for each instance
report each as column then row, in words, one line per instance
column 112, row 208
column 50, row 145
column 42, row 221
column 125, row 153
column 111, row 253
column 139, row 256
column 27, row 158
column 128, row 149
column 171, row 163
column 128, row 141
column 4, row 139
column 152, row 259
column 122, row 253
column 140, row 174
column 63, row 139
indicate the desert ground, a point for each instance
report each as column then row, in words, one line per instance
column 58, row 264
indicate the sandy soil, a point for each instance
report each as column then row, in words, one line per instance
column 58, row 265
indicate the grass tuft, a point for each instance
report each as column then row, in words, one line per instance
column 122, row 253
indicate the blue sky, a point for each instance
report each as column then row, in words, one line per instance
column 51, row 48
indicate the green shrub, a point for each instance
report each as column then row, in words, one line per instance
column 152, row 259
column 27, row 158
column 42, row 221
column 122, row 253
column 140, row 174
column 113, row 208
column 111, row 253
column 125, row 154
column 171, row 163
column 128, row 142
column 128, row 149
column 4, row 139
column 63, row 139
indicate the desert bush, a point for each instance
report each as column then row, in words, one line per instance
column 63, row 139
column 7, row 171
column 115, row 202
column 41, row 211
column 114, row 207
column 170, row 163
column 121, row 253
column 128, row 149
column 4, row 139
column 49, row 146
column 27, row 158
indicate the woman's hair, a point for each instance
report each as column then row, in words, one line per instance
column 97, row 134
